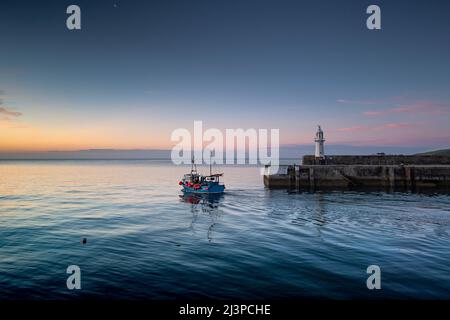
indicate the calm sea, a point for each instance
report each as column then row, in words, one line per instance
column 146, row 241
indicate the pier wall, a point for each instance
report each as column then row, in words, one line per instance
column 390, row 177
column 379, row 160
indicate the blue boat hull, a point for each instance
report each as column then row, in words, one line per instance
column 217, row 188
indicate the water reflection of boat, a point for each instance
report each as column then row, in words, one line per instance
column 200, row 184
column 211, row 199
column 204, row 203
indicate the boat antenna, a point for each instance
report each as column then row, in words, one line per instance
column 193, row 166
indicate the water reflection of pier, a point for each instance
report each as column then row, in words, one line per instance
column 204, row 203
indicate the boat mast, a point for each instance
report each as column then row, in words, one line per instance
column 193, row 165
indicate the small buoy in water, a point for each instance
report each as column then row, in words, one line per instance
column 84, row 241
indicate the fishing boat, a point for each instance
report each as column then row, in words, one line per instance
column 196, row 183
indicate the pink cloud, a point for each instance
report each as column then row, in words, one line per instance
column 372, row 101
column 419, row 107
column 354, row 129
column 8, row 112
column 373, row 113
column 397, row 126
column 5, row 113
column 356, row 101
column 359, row 128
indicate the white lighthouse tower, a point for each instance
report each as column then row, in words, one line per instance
column 320, row 155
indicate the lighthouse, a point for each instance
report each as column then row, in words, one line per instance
column 319, row 140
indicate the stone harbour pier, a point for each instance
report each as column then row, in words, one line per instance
column 380, row 172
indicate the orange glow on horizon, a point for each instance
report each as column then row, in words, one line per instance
column 29, row 139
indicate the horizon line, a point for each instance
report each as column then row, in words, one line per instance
column 290, row 145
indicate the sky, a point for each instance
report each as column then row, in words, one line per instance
column 137, row 70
